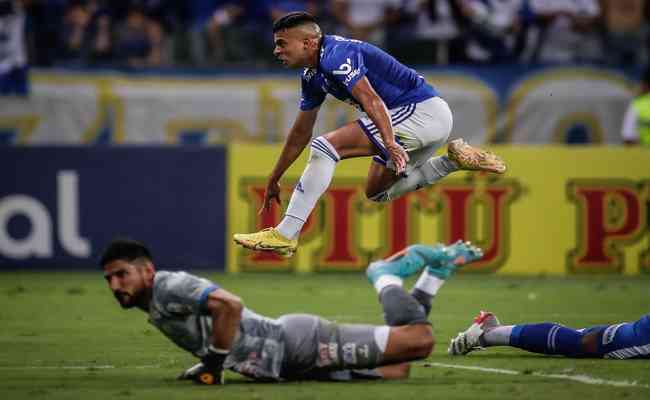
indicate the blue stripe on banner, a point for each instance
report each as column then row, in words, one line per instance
column 374, row 140
column 318, row 145
column 406, row 115
column 394, row 115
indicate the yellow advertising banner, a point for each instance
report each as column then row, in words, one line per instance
column 558, row 210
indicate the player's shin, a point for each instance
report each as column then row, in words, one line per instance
column 427, row 174
column 313, row 183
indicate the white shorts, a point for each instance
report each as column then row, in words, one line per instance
column 421, row 128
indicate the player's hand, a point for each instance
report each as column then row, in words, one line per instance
column 399, row 157
column 200, row 373
column 271, row 193
column 209, row 371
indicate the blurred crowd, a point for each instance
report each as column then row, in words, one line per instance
column 214, row 33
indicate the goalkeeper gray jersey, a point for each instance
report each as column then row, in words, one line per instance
column 178, row 310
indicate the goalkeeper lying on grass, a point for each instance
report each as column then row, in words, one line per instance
column 213, row 324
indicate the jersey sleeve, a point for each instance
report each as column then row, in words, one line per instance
column 183, row 293
column 346, row 65
column 311, row 95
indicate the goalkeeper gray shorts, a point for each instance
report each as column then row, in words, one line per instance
column 316, row 348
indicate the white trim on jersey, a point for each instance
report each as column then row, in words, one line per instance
column 629, row 352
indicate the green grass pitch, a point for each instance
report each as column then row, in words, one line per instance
column 63, row 336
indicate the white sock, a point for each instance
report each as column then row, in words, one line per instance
column 499, row 336
column 387, row 280
column 289, row 225
column 428, row 283
column 428, row 173
column 313, row 183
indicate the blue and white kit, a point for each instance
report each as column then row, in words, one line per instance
column 421, row 119
column 625, row 340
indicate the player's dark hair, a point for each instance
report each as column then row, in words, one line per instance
column 292, row 20
column 124, row 249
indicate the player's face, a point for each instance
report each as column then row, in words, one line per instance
column 127, row 281
column 293, row 48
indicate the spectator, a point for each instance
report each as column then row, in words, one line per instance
column 566, row 31
column 282, row 7
column 491, row 27
column 75, row 30
column 100, row 47
column 625, row 30
column 133, row 44
column 161, row 23
column 230, row 31
column 13, row 57
column 636, row 122
column 365, row 19
column 427, row 31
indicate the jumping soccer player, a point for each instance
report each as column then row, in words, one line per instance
column 406, row 122
column 619, row 341
column 206, row 320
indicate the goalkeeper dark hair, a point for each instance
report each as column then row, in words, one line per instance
column 293, row 19
column 124, row 249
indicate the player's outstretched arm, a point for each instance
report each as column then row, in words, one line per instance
column 298, row 138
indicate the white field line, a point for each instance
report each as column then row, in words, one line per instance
column 82, row 367
column 576, row 378
column 590, row 380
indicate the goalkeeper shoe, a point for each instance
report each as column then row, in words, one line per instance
column 448, row 259
column 402, row 264
column 441, row 261
column 267, row 239
column 474, row 159
column 470, row 340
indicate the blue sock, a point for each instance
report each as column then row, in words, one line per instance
column 547, row 338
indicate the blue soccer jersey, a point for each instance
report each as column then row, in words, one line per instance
column 627, row 340
column 343, row 62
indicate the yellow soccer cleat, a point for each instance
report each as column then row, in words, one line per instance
column 474, row 159
column 268, row 239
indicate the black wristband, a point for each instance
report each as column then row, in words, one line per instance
column 215, row 358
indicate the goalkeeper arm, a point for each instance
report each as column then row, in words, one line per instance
column 226, row 310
